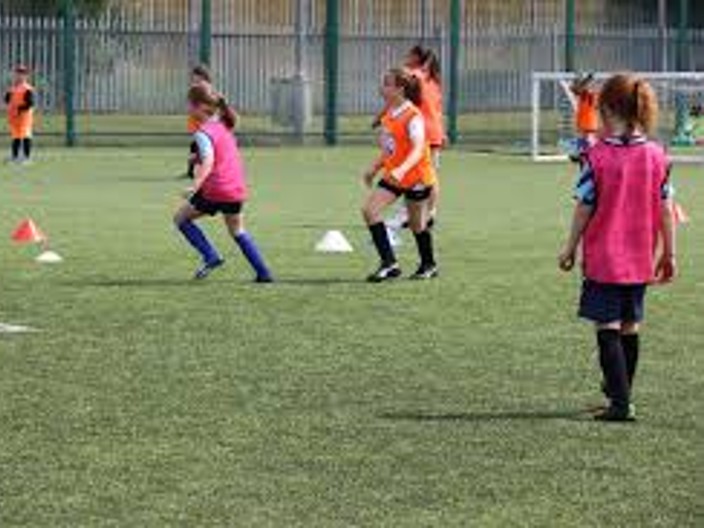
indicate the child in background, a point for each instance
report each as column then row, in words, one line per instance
column 219, row 184
column 407, row 171
column 200, row 75
column 624, row 212
column 432, row 108
column 20, row 101
column 424, row 65
column 586, row 114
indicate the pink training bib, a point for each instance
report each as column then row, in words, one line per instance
column 226, row 182
column 620, row 240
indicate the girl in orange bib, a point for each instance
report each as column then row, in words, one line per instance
column 19, row 100
column 407, row 171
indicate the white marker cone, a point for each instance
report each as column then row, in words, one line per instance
column 49, row 257
column 333, row 242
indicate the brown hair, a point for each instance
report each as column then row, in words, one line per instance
column 432, row 66
column 409, row 84
column 215, row 103
column 630, row 99
column 22, row 69
column 203, row 72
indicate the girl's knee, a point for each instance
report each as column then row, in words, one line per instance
column 235, row 224
column 615, row 325
column 416, row 226
column 630, row 328
column 369, row 214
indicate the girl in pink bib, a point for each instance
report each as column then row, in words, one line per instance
column 219, row 184
column 624, row 212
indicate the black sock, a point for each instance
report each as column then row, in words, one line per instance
column 424, row 241
column 631, row 348
column 27, row 147
column 381, row 241
column 613, row 365
column 16, row 143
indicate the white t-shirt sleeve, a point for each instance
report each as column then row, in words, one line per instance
column 205, row 145
column 416, row 130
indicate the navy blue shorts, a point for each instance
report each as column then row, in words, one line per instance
column 211, row 208
column 608, row 303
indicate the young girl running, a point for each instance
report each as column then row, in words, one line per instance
column 200, row 75
column 424, row 65
column 219, row 184
column 19, row 99
column 407, row 171
column 584, row 98
column 624, row 212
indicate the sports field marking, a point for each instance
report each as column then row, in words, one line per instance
column 6, row 328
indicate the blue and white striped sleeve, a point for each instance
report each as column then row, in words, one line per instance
column 667, row 190
column 585, row 188
column 204, row 144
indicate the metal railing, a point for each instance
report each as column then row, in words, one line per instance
column 119, row 74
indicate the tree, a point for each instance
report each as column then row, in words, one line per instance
column 646, row 12
column 52, row 7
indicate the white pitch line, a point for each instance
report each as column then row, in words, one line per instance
column 14, row 329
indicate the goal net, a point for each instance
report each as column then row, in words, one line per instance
column 680, row 125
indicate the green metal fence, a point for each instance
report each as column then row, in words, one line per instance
column 308, row 70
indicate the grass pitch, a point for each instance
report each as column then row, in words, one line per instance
column 145, row 399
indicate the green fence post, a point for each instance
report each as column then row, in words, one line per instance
column 332, row 52
column 683, row 133
column 206, row 31
column 683, row 23
column 69, row 57
column 570, row 16
column 454, row 88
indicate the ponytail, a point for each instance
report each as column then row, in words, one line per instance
column 215, row 103
column 408, row 83
column 227, row 114
column 412, row 90
column 630, row 99
column 432, row 66
column 646, row 106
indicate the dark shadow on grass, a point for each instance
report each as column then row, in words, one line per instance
column 326, row 226
column 144, row 282
column 320, row 281
column 187, row 282
column 488, row 416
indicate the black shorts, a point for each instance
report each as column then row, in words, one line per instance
column 417, row 193
column 211, row 208
column 608, row 303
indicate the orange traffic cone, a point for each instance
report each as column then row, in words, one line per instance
column 681, row 216
column 28, row 232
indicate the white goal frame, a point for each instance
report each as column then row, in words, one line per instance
column 540, row 77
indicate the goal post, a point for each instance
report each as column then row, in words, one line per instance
column 680, row 125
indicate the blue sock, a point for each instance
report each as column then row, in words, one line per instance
column 250, row 251
column 199, row 241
